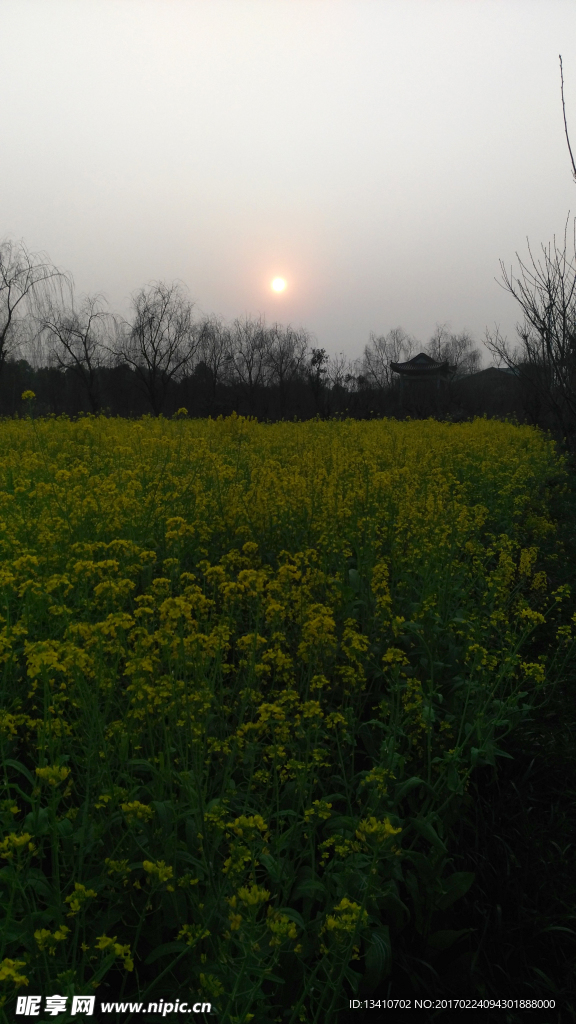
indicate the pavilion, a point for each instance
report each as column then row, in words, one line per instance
column 423, row 368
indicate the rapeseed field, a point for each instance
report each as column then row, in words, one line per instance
column 247, row 672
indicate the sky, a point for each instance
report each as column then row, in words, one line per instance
column 382, row 156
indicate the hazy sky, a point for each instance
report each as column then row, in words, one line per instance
column 380, row 155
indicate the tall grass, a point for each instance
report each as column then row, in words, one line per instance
column 249, row 672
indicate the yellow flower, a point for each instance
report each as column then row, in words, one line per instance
column 79, row 897
column 53, row 774
column 345, row 918
column 320, row 809
column 135, row 811
column 379, row 830
column 160, row 870
column 253, row 896
column 47, row 940
column 104, row 942
column 10, row 971
column 14, row 843
column 191, row 934
column 281, row 927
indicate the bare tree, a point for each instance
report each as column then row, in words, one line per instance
column 546, row 360
column 565, row 122
column 78, row 340
column 287, row 352
column 338, row 370
column 26, row 280
column 286, row 355
column 160, row 343
column 340, row 377
column 250, row 345
column 381, row 350
column 456, row 349
column 317, row 370
column 214, row 350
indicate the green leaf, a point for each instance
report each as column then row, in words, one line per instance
column 38, row 823
column 284, row 840
column 165, row 814
column 426, row 830
column 15, row 788
column 273, row 867
column 140, row 763
column 414, row 890
column 393, row 910
column 353, row 979
column 378, row 958
column 401, row 791
column 264, row 975
column 445, row 939
column 427, row 866
column 558, row 928
column 372, row 734
column 22, row 769
column 287, row 812
column 456, row 886
column 183, row 857
column 37, row 880
column 342, row 822
column 309, row 887
column 502, row 753
column 167, row 947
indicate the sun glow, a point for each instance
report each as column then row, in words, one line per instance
column 278, row 284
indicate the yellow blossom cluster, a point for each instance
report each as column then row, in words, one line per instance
column 241, row 664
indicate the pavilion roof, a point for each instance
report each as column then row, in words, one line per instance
column 423, row 365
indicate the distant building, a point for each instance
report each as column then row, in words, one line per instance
column 424, row 368
column 496, row 391
column 423, row 384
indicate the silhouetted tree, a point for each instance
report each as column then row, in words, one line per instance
column 317, row 370
column 160, row 343
column 456, row 349
column 215, row 351
column 381, row 350
column 565, row 122
column 546, row 359
column 26, row 280
column 286, row 356
column 249, row 346
column 78, row 341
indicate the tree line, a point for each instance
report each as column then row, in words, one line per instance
column 77, row 356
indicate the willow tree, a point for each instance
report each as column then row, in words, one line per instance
column 78, row 341
column 160, row 342
column 27, row 282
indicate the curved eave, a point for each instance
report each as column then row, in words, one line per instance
column 423, row 371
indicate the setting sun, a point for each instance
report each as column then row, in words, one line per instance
column 278, row 284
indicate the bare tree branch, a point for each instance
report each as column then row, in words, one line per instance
column 161, row 342
column 456, row 349
column 546, row 360
column 77, row 341
column 565, row 122
column 250, row 347
column 26, row 281
column 214, row 350
column 287, row 353
column 396, row 346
